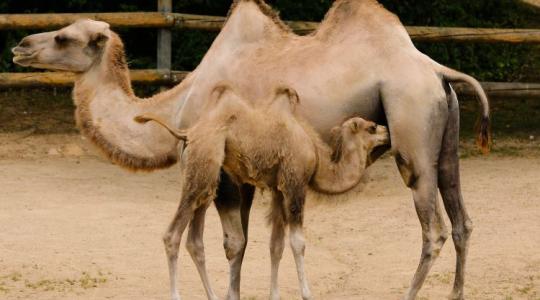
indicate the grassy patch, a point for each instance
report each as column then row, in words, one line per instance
column 20, row 282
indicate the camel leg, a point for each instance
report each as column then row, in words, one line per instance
column 172, row 239
column 248, row 193
column 298, row 246
column 450, row 188
column 433, row 229
column 417, row 147
column 294, row 199
column 195, row 247
column 277, row 243
column 198, row 191
column 233, row 204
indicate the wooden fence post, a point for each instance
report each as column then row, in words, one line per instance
column 164, row 42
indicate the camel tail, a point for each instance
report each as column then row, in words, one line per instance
column 483, row 127
column 179, row 134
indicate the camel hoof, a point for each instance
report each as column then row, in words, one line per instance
column 232, row 296
column 306, row 295
column 275, row 297
column 456, row 296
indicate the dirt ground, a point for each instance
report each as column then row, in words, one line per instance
column 73, row 226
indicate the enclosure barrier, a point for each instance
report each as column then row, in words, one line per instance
column 213, row 23
column 165, row 19
column 163, row 77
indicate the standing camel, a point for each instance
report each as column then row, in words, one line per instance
column 360, row 61
column 268, row 147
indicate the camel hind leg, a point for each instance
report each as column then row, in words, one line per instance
column 294, row 194
column 450, row 188
column 416, row 139
column 277, row 239
column 198, row 190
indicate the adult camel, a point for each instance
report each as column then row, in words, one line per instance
column 360, row 61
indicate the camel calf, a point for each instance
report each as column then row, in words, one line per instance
column 268, row 147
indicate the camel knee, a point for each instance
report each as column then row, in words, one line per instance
column 195, row 247
column 276, row 249
column 171, row 248
column 468, row 227
column 461, row 234
column 435, row 245
column 234, row 246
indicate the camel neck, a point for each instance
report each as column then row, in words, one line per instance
column 109, row 75
column 339, row 173
column 106, row 107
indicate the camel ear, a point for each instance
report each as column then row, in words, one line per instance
column 354, row 125
column 336, row 143
column 98, row 40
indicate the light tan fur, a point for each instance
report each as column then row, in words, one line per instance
column 270, row 136
column 104, row 99
column 271, row 148
column 360, row 61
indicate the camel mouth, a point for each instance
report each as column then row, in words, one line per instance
column 23, row 58
column 383, row 136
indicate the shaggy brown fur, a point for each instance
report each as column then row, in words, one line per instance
column 268, row 147
column 119, row 73
column 259, row 144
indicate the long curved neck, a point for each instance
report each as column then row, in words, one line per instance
column 335, row 176
column 106, row 106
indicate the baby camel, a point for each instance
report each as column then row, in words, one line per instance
column 270, row 148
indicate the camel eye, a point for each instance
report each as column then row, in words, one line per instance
column 372, row 129
column 61, row 40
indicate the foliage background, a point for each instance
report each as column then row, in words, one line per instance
column 489, row 62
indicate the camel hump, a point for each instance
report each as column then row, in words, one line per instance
column 285, row 99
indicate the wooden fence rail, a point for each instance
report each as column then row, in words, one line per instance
column 213, row 23
column 157, row 77
column 60, row 79
column 165, row 20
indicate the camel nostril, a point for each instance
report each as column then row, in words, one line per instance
column 24, row 44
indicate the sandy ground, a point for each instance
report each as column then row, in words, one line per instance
column 73, row 226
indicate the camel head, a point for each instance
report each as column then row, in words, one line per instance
column 357, row 134
column 73, row 48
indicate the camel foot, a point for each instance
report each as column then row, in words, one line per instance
column 274, row 296
column 456, row 296
column 232, row 296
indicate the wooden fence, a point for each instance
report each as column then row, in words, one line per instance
column 165, row 21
